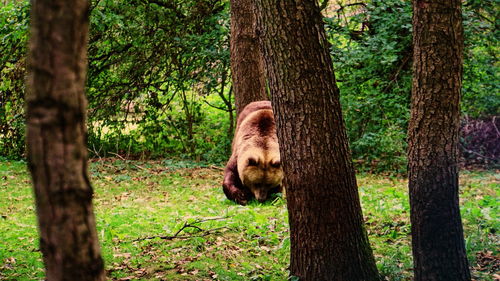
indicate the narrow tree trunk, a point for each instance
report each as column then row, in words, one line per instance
column 328, row 240
column 247, row 66
column 437, row 235
column 57, row 155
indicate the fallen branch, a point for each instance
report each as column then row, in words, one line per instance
column 493, row 121
column 204, row 232
column 121, row 157
column 216, row 168
column 95, row 152
column 477, row 154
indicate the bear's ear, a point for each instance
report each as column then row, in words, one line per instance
column 276, row 164
column 252, row 162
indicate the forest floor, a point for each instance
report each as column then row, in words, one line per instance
column 169, row 220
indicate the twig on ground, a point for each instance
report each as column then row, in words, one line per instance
column 212, row 219
column 172, row 237
column 121, row 157
column 216, row 168
column 204, row 232
column 477, row 154
column 118, row 155
column 493, row 121
column 95, row 152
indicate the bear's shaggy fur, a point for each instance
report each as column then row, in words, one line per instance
column 254, row 168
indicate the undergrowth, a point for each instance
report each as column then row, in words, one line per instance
column 169, row 220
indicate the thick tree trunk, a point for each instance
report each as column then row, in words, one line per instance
column 247, row 65
column 56, row 131
column 437, row 235
column 328, row 240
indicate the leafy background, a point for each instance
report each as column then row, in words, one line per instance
column 159, row 88
column 159, row 80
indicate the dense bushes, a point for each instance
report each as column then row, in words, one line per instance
column 159, row 81
column 13, row 38
column 371, row 49
column 153, row 66
column 480, row 141
column 481, row 87
column 372, row 53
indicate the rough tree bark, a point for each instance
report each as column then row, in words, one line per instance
column 328, row 239
column 437, row 234
column 247, row 65
column 57, row 155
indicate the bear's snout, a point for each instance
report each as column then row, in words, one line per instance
column 260, row 195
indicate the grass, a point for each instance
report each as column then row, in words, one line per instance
column 138, row 200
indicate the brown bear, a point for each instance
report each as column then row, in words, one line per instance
column 254, row 168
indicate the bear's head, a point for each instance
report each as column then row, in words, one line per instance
column 260, row 169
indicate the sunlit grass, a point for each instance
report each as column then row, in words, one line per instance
column 137, row 200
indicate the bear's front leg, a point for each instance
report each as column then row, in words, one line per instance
column 232, row 186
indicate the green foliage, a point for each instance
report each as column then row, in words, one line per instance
column 371, row 48
column 159, row 82
column 14, row 17
column 219, row 240
column 152, row 66
column 481, row 89
column 372, row 53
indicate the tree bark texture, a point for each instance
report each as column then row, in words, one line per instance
column 328, row 239
column 247, row 65
column 56, row 135
column 437, row 234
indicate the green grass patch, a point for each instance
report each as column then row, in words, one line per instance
column 141, row 206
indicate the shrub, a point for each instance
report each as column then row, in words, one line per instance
column 479, row 142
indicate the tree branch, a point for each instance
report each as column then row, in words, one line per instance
column 184, row 227
column 323, row 5
column 214, row 106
